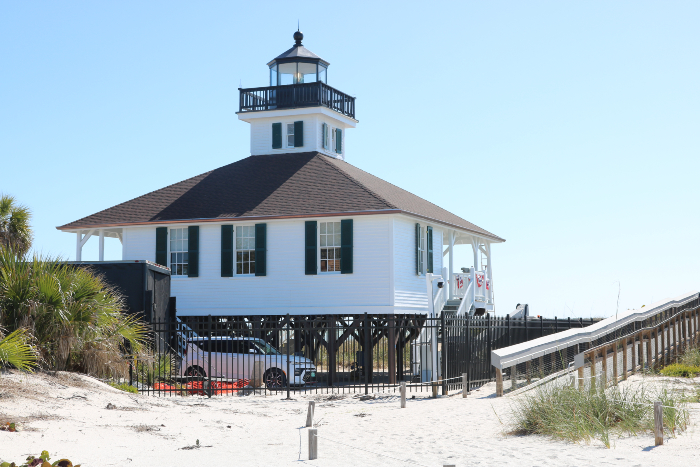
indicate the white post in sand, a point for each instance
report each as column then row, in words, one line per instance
column 313, row 444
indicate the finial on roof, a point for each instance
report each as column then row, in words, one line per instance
column 298, row 36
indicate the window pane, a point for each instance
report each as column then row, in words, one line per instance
column 336, row 239
column 185, row 257
column 324, row 266
column 252, row 268
column 239, row 256
column 324, row 253
column 323, row 227
column 239, row 268
column 239, row 243
column 184, row 269
column 323, row 240
column 252, row 256
column 246, row 269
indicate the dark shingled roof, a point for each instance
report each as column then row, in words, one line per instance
column 280, row 185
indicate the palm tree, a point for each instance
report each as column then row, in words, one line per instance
column 15, row 232
column 73, row 316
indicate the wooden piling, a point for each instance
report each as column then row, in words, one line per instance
column 465, row 385
column 658, row 424
column 528, row 372
column 310, row 414
column 402, row 390
column 313, row 444
column 513, row 378
column 435, row 389
column 649, row 360
column 633, row 350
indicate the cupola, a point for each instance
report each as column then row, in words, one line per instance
column 298, row 111
column 298, row 65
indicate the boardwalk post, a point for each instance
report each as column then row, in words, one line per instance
column 313, row 444
column 614, row 362
column 402, row 391
column 310, row 414
column 624, row 359
column 658, row 424
column 435, row 389
column 528, row 372
column 465, row 385
column 604, row 379
column 649, row 354
column 634, row 355
column 513, row 378
column 580, row 378
column 663, row 346
column 499, row 383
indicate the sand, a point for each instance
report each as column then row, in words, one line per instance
column 67, row 415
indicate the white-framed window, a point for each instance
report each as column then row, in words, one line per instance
column 421, row 252
column 290, row 135
column 245, row 249
column 329, row 245
column 178, row 251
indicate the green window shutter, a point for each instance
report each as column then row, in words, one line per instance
column 276, row 136
column 418, row 271
column 226, row 251
column 346, row 246
column 260, row 249
column 324, row 130
column 338, row 140
column 429, row 245
column 298, row 134
column 310, row 251
column 162, row 246
column 193, row 251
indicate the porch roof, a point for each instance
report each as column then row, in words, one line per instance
column 306, row 184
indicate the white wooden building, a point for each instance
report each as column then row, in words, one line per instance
column 295, row 228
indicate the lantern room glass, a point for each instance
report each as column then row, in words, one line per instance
column 296, row 73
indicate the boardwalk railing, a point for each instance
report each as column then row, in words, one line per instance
column 540, row 359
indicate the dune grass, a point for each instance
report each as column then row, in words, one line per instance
column 569, row 414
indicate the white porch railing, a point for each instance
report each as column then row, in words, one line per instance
column 473, row 288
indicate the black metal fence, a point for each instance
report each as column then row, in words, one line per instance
column 227, row 355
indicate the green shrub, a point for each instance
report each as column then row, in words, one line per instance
column 691, row 357
column 569, row 414
column 680, row 370
column 124, row 387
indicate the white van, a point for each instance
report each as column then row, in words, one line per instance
column 233, row 358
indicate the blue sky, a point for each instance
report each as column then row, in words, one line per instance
column 569, row 128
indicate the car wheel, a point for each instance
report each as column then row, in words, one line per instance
column 195, row 372
column 275, row 379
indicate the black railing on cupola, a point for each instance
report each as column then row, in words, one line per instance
column 296, row 95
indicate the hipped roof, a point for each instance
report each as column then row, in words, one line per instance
column 307, row 184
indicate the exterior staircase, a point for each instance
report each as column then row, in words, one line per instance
column 451, row 307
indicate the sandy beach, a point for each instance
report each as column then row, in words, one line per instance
column 67, row 415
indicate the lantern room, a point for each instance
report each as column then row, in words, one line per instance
column 298, row 65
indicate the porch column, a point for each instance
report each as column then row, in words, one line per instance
column 78, row 247
column 102, row 245
column 451, row 274
column 475, row 246
column 488, row 268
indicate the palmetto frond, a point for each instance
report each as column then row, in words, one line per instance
column 17, row 351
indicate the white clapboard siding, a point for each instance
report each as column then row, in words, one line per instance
column 410, row 295
column 139, row 243
column 286, row 288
